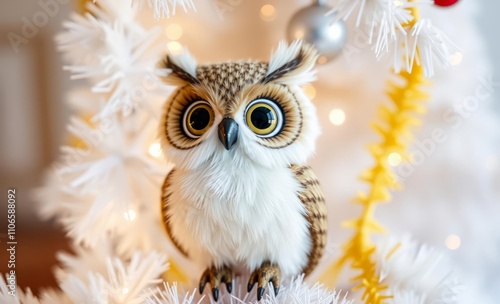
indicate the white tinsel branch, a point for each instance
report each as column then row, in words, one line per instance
column 123, row 283
column 415, row 274
column 292, row 291
column 7, row 296
column 108, row 183
column 166, row 8
column 116, row 54
column 429, row 44
column 384, row 21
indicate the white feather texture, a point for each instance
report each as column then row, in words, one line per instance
column 236, row 207
column 296, row 153
column 232, row 211
column 185, row 61
column 285, row 53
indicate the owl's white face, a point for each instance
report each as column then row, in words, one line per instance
column 241, row 111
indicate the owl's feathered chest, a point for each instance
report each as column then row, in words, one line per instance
column 240, row 213
column 239, row 188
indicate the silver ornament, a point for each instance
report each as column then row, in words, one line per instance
column 317, row 25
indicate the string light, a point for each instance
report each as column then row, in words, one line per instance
column 337, row 117
column 173, row 31
column 456, row 58
column 125, row 290
column 155, row 150
column 309, row 90
column 130, row 215
column 453, row 242
column 394, row 159
column 268, row 12
column 299, row 34
column 322, row 59
column 174, row 47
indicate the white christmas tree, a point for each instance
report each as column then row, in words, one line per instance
column 105, row 188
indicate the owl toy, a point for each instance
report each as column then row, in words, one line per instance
column 241, row 198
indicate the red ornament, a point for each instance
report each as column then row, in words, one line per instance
column 445, row 2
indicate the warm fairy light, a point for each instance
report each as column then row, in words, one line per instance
column 174, row 47
column 268, row 12
column 394, row 159
column 491, row 163
column 456, row 58
column 309, row 90
column 173, row 31
column 125, row 290
column 155, row 150
column 452, row 242
column 130, row 215
column 299, row 34
column 322, row 59
column 337, row 117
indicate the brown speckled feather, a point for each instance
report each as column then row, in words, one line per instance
column 312, row 198
column 165, row 195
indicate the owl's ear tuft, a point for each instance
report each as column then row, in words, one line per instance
column 292, row 64
column 180, row 69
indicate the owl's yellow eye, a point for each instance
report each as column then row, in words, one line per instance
column 197, row 119
column 264, row 117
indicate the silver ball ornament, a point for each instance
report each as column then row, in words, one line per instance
column 317, row 25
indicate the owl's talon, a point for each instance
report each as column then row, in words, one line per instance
column 267, row 273
column 217, row 276
column 204, row 280
column 215, row 294
column 260, row 293
column 229, row 286
column 250, row 286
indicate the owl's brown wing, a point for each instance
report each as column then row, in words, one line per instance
column 166, row 192
column 316, row 212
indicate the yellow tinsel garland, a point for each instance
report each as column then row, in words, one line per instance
column 407, row 101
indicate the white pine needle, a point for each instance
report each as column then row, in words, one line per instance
column 123, row 282
column 100, row 187
column 428, row 45
column 166, row 8
column 384, row 20
column 415, row 274
column 84, row 260
column 291, row 291
column 116, row 55
column 381, row 18
column 27, row 297
column 170, row 295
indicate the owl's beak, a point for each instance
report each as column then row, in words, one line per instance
column 228, row 132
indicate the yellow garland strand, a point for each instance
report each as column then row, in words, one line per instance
column 407, row 100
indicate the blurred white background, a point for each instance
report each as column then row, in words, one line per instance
column 33, row 87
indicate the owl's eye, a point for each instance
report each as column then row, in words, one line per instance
column 197, row 119
column 264, row 117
